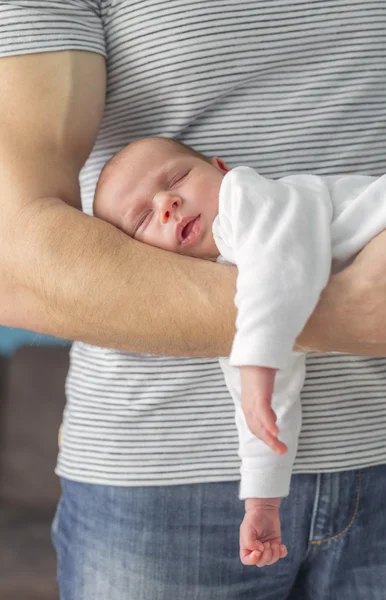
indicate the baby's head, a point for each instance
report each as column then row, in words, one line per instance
column 162, row 193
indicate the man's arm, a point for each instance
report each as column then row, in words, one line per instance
column 65, row 273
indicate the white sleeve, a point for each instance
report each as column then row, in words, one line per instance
column 279, row 232
column 265, row 474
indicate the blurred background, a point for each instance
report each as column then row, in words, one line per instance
column 33, row 369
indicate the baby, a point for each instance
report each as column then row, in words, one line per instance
column 285, row 236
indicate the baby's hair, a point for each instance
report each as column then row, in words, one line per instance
column 121, row 155
column 187, row 149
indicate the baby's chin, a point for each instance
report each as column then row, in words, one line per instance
column 212, row 258
column 205, row 249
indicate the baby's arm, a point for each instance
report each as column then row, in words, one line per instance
column 256, row 401
column 265, row 476
column 264, row 473
column 279, row 235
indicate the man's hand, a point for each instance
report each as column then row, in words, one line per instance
column 260, row 533
column 256, row 397
column 349, row 317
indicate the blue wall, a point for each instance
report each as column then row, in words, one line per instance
column 12, row 339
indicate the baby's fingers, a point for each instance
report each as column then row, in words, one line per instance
column 271, row 441
column 260, row 417
column 266, row 556
column 250, row 558
column 283, row 551
column 272, row 553
column 257, row 426
column 278, row 551
column 250, row 549
column 268, row 420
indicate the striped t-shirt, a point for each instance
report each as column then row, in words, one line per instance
column 284, row 87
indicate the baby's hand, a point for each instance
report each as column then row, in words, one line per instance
column 260, row 533
column 256, row 396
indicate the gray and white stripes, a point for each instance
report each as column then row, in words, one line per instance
column 280, row 86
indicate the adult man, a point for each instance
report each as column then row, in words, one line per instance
column 286, row 87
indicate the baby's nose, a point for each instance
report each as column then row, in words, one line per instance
column 165, row 216
column 168, row 203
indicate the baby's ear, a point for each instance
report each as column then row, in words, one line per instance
column 219, row 164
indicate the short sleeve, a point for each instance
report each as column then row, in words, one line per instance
column 31, row 26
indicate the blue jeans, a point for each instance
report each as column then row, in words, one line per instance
column 181, row 542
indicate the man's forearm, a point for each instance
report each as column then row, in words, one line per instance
column 76, row 277
column 66, row 274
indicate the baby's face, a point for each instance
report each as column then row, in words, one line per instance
column 161, row 195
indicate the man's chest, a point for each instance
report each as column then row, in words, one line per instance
column 181, row 61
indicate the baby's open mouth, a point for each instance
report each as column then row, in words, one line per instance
column 189, row 230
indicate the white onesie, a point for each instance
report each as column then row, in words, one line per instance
column 285, row 236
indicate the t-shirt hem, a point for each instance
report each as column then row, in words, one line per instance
column 40, row 50
column 144, row 482
column 220, row 477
